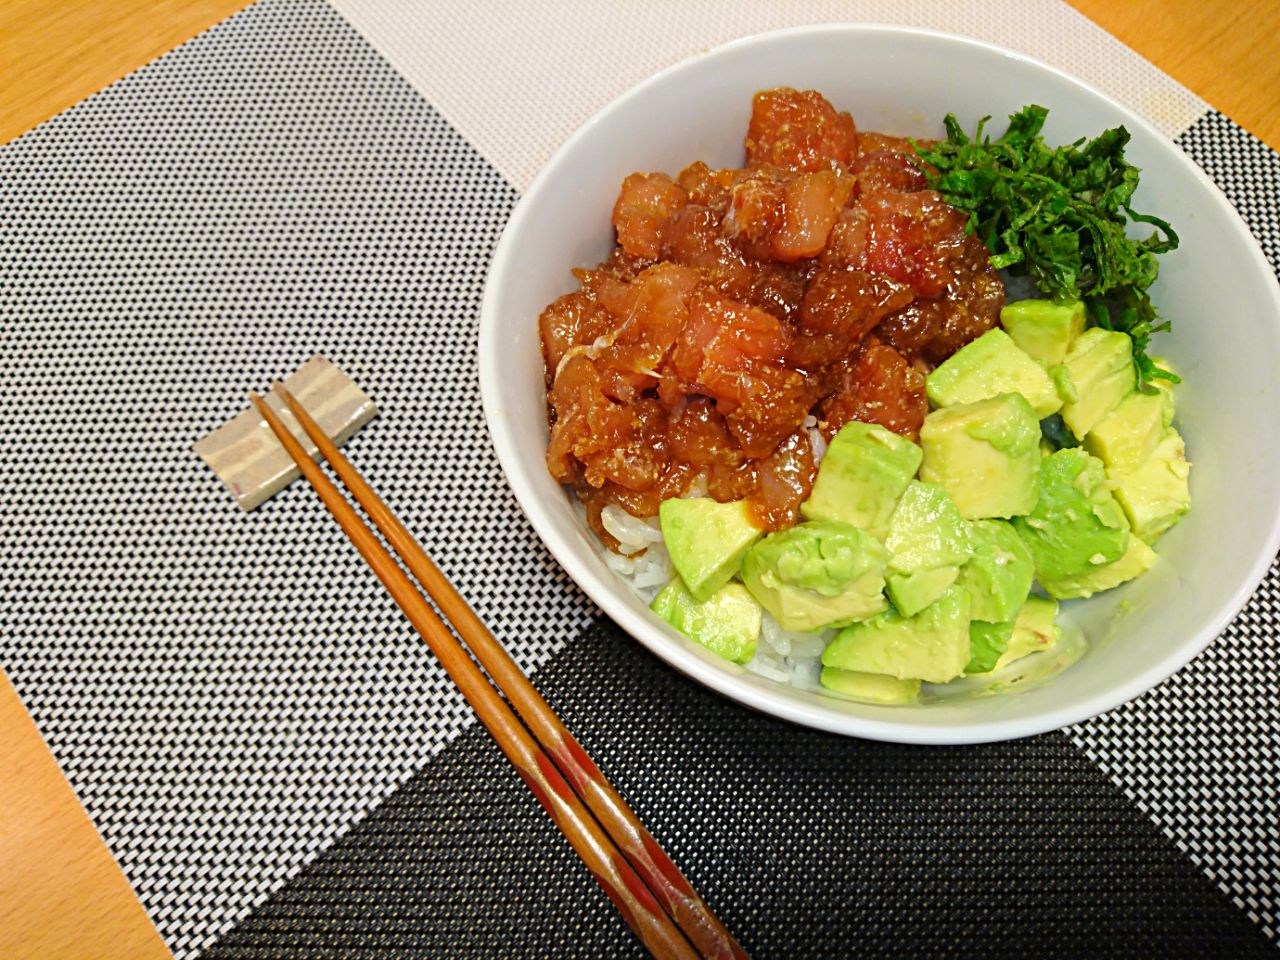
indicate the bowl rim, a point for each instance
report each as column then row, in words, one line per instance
column 730, row 683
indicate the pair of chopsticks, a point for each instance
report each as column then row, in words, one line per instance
column 655, row 899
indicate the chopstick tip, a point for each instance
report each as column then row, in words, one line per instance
column 261, row 405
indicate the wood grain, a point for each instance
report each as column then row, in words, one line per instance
column 1227, row 52
column 61, row 895
column 54, row 53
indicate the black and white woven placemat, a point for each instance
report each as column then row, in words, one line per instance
column 281, row 769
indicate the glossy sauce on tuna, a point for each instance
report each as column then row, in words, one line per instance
column 744, row 309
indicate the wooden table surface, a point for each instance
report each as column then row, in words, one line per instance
column 62, row 897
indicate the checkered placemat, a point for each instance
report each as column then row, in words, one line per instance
column 278, row 765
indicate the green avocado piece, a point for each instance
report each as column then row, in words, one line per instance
column 932, row 646
column 1061, row 378
column 912, row 592
column 1034, row 630
column 1100, row 367
column 817, row 574
column 870, row 687
column 863, row 473
column 1076, row 525
column 707, row 540
column 926, row 530
column 728, row 623
column 1136, row 560
column 1044, row 329
column 1127, row 436
column 987, row 641
column 985, row 454
column 999, row 575
column 927, row 542
column 987, row 367
column 1156, row 495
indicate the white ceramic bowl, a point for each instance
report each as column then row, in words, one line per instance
column 1216, row 288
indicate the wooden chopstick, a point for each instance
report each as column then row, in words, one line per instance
column 660, row 874
column 611, row 870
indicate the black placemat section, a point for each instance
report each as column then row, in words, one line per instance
column 807, row 844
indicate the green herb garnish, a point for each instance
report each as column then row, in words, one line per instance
column 1055, row 431
column 1059, row 215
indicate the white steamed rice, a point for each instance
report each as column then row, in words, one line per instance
column 647, row 572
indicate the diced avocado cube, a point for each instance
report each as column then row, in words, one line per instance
column 1061, row 378
column 1034, row 630
column 1100, row 365
column 707, row 540
column 862, row 475
column 1044, row 329
column 912, row 592
column 1127, row 436
column 728, row 623
column 932, row 646
column 1156, row 495
column 989, row 366
column 927, row 541
column 926, row 530
column 985, row 454
column 998, row 576
column 870, row 687
column 987, row 641
column 1076, row 525
column 1136, row 560
column 817, row 574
